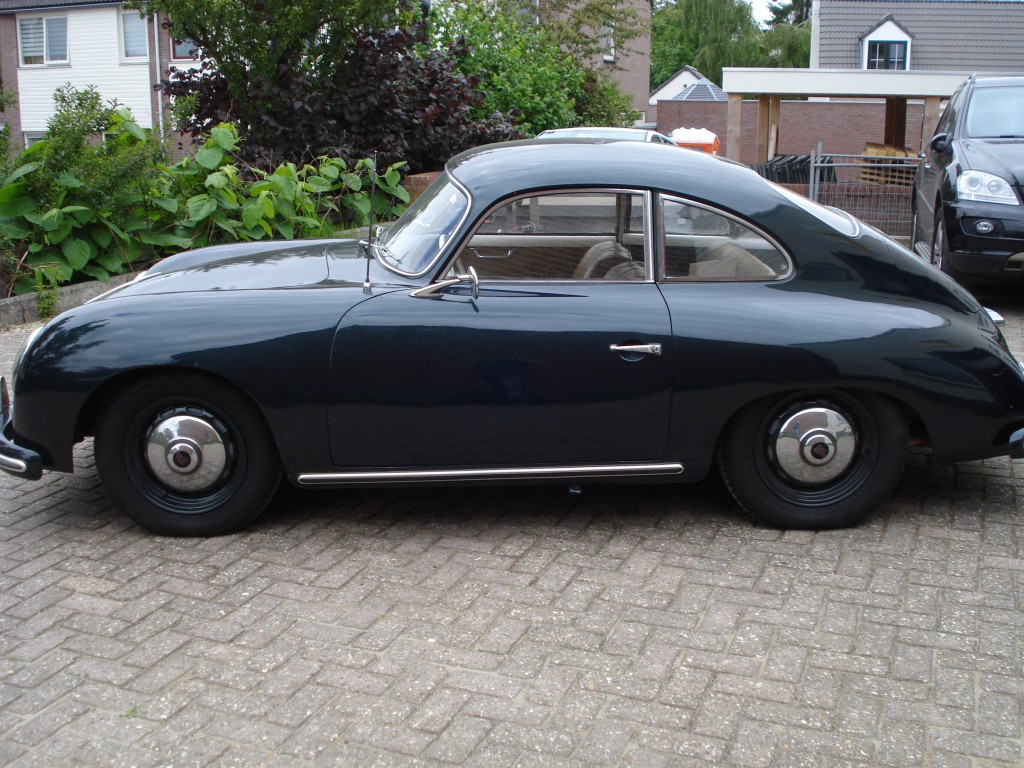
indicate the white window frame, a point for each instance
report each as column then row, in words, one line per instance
column 46, row 62
column 889, row 32
column 31, row 137
column 121, row 42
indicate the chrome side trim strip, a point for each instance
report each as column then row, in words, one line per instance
column 511, row 473
column 13, row 465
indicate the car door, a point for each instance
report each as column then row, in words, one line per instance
column 561, row 359
column 933, row 167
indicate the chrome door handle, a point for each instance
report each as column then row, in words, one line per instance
column 643, row 349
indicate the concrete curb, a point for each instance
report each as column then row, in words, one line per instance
column 25, row 309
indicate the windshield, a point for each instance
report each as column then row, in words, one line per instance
column 415, row 240
column 996, row 113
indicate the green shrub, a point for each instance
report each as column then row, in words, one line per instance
column 71, row 205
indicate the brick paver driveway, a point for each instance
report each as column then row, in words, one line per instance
column 517, row 627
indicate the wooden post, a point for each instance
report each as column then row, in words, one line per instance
column 775, row 114
column 896, row 122
column 931, row 119
column 764, row 115
column 734, row 131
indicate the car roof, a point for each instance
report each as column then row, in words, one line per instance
column 996, row 80
column 596, row 132
column 495, row 171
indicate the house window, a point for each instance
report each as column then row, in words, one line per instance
column 887, row 54
column 608, row 44
column 43, row 40
column 31, row 137
column 184, row 50
column 134, row 36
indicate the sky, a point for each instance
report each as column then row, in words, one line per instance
column 760, row 10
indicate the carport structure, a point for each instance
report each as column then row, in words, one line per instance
column 770, row 85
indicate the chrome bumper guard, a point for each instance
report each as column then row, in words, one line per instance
column 14, row 459
column 1017, row 444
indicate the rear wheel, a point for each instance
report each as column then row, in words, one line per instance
column 821, row 461
column 186, row 455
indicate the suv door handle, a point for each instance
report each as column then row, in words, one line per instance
column 643, row 349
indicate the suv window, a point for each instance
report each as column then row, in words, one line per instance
column 948, row 119
column 996, row 112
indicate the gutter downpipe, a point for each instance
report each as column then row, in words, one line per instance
column 159, row 76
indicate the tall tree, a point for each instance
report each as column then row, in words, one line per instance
column 795, row 12
column 712, row 34
column 258, row 40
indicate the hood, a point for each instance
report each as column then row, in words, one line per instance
column 244, row 266
column 1003, row 157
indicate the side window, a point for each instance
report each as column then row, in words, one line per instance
column 703, row 244
column 560, row 236
column 948, row 120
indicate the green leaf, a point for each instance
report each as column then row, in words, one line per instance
column 101, row 236
column 167, row 203
column 392, row 177
column 15, row 200
column 165, row 239
column 24, row 170
column 401, row 193
column 224, row 138
column 95, row 270
column 252, row 213
column 210, row 157
column 135, row 130
column 66, row 179
column 112, row 262
column 217, row 180
column 318, row 184
column 286, row 229
column 13, row 231
column 200, row 207
column 78, row 252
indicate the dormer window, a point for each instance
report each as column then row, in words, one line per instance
column 886, row 46
column 887, row 54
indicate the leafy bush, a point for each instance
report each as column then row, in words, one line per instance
column 68, row 204
column 208, row 199
column 71, row 205
column 384, row 91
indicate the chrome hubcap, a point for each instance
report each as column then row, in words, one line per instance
column 815, row 445
column 186, row 453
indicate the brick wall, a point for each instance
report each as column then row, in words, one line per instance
column 9, row 75
column 843, row 127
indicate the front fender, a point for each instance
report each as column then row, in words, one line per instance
column 273, row 345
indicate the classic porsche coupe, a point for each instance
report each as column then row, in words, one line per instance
column 566, row 311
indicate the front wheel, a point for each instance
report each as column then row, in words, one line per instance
column 186, row 455
column 940, row 251
column 821, row 461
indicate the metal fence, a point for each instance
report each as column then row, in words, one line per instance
column 875, row 189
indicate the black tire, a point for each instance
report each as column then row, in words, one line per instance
column 940, row 251
column 821, row 480
column 217, row 438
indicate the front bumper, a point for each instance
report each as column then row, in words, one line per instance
column 15, row 460
column 998, row 254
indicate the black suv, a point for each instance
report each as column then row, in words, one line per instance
column 968, row 216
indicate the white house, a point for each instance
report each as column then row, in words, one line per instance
column 47, row 43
